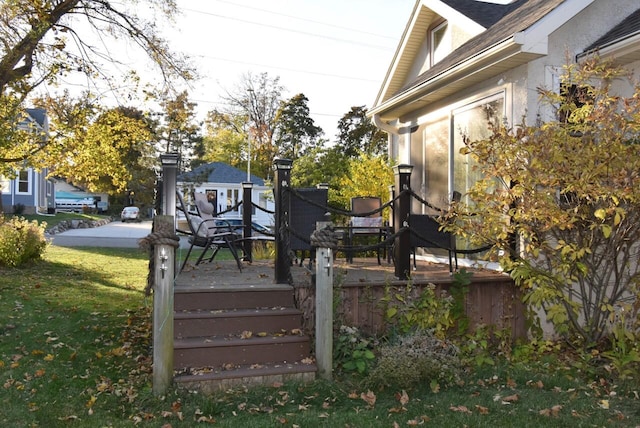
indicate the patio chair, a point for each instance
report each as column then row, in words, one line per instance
column 206, row 234
column 371, row 225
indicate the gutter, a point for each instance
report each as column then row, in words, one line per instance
column 392, row 129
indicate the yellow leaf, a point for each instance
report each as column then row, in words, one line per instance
column 49, row 357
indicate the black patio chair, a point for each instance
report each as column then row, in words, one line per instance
column 206, row 234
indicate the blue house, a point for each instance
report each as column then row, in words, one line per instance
column 30, row 187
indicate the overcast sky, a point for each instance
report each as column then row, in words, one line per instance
column 336, row 52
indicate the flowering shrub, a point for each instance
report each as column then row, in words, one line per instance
column 20, row 241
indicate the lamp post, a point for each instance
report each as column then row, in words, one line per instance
column 401, row 208
column 169, row 163
column 250, row 92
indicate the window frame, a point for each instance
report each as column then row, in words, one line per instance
column 446, row 38
column 28, row 181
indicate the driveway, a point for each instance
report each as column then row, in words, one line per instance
column 114, row 234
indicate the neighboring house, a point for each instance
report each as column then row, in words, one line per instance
column 459, row 60
column 30, row 188
column 72, row 198
column 222, row 184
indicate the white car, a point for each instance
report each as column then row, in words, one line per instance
column 130, row 214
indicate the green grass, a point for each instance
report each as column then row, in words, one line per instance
column 75, row 352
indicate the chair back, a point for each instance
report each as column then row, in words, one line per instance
column 205, row 209
column 363, row 205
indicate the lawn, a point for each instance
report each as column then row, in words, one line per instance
column 75, row 352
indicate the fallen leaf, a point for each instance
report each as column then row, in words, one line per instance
column 246, row 334
column 369, row 398
column 604, row 404
column 461, row 409
column 511, row 398
column 403, row 397
column 482, row 410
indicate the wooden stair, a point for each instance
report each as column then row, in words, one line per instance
column 226, row 336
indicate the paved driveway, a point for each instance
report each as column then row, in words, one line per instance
column 114, row 234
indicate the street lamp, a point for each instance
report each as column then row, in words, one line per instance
column 250, row 91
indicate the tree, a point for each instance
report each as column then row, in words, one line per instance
column 103, row 151
column 356, row 133
column 180, row 132
column 43, row 42
column 366, row 175
column 296, row 133
column 223, row 141
column 569, row 190
column 257, row 100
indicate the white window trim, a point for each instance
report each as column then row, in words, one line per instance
column 29, row 180
column 446, row 39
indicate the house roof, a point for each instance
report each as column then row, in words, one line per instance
column 38, row 114
column 514, row 39
column 523, row 15
column 630, row 26
column 485, row 14
column 218, row 172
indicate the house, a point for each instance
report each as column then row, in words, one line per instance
column 222, row 184
column 30, row 189
column 71, row 198
column 461, row 60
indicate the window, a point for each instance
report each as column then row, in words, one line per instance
column 436, row 164
column 439, row 43
column 23, row 182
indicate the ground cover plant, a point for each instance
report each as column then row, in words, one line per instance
column 75, row 352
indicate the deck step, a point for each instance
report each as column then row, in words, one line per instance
column 232, row 351
column 189, row 324
column 209, row 380
column 217, row 297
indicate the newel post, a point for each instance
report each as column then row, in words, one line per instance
column 324, row 241
column 247, row 210
column 163, row 274
column 401, row 208
column 282, row 183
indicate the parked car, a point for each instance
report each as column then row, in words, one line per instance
column 237, row 225
column 130, row 214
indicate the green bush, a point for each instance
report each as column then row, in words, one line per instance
column 20, row 241
column 415, row 359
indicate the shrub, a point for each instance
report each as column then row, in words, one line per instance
column 417, row 358
column 20, row 241
column 352, row 351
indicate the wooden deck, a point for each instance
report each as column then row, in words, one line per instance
column 492, row 297
column 261, row 273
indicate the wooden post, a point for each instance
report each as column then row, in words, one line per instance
column 164, row 263
column 324, row 310
column 401, row 209
column 247, row 210
column 282, row 181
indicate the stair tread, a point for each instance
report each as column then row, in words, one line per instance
column 254, row 370
column 225, row 288
column 247, row 312
column 216, row 341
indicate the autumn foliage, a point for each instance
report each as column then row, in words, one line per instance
column 559, row 202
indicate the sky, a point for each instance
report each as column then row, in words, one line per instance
column 335, row 52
